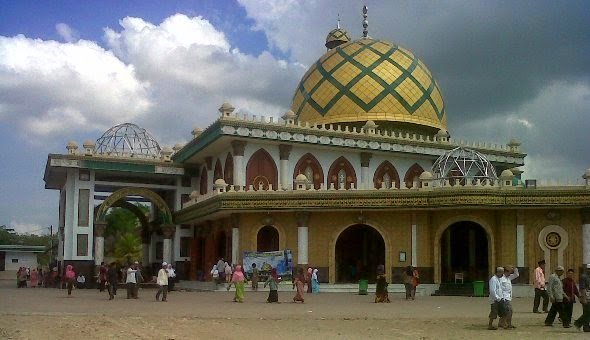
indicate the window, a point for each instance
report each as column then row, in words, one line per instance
column 14, row 260
column 82, row 245
column 387, row 181
column 341, row 179
column 185, row 246
column 84, row 175
column 83, row 200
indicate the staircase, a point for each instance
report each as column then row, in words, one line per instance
column 457, row 289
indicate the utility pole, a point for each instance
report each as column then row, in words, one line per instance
column 50, row 245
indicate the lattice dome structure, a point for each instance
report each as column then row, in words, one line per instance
column 128, row 140
column 462, row 164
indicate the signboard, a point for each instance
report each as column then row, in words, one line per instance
column 282, row 260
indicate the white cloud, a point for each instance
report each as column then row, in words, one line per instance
column 66, row 32
column 28, row 228
column 47, row 87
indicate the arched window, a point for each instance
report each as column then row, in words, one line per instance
column 412, row 175
column 311, row 168
column 341, row 172
column 203, row 182
column 267, row 239
column 385, row 175
column 218, row 172
column 228, row 171
column 261, row 170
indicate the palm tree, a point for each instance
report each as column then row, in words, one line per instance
column 128, row 248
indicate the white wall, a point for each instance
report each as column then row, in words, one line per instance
column 24, row 260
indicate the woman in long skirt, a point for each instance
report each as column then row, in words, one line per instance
column 69, row 278
column 273, row 283
column 308, row 278
column 315, row 284
column 299, row 284
column 238, row 280
column 34, row 278
column 381, row 294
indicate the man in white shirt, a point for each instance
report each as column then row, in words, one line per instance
column 510, row 273
column 162, row 281
column 131, row 282
column 495, row 296
column 81, row 279
column 171, row 277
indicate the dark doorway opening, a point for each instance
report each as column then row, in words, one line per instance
column 267, row 239
column 359, row 250
column 464, row 252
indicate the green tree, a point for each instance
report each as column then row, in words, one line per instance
column 128, row 248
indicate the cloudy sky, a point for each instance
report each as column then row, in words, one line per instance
column 71, row 69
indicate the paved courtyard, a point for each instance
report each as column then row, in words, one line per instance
column 49, row 314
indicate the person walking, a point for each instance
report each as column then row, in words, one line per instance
column 273, row 283
column 220, row 270
column 112, row 280
column 410, row 282
column 131, row 282
column 238, row 280
column 557, row 297
column 80, row 281
column 299, row 282
column 381, row 294
column 496, row 296
column 171, row 277
column 315, row 283
column 34, row 278
column 308, row 275
column 22, row 277
column 162, row 281
column 540, row 291
column 69, row 278
column 228, row 272
column 510, row 273
column 102, row 277
column 583, row 322
column 215, row 274
column 571, row 291
column 254, row 277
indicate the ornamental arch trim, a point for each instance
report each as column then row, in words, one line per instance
column 120, row 194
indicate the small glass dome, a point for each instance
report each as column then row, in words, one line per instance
column 460, row 164
column 128, row 140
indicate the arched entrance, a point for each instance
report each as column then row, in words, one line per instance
column 267, row 239
column 359, row 250
column 464, row 249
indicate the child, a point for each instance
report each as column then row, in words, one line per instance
column 273, row 281
column 254, row 277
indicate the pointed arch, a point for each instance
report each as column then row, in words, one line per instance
column 228, row 169
column 413, row 174
column 341, row 171
column 307, row 165
column 261, row 169
column 218, row 171
column 385, row 171
column 203, row 181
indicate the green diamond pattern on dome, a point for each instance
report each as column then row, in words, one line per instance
column 359, row 75
column 338, row 34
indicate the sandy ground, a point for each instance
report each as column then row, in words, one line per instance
column 48, row 314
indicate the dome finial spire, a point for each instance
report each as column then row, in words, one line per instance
column 365, row 22
column 338, row 24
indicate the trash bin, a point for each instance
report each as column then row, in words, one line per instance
column 478, row 288
column 363, row 287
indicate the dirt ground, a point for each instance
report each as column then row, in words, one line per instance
column 48, row 314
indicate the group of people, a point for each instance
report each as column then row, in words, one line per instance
column 411, row 279
column 36, row 277
column 561, row 293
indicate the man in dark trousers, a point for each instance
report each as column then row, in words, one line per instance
column 540, row 291
column 584, row 320
column 102, row 276
column 113, row 280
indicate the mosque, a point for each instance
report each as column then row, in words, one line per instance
column 361, row 171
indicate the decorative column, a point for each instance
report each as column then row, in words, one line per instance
column 365, row 159
column 302, row 237
column 146, row 237
column 210, row 179
column 168, row 232
column 284, row 152
column 238, row 147
column 586, row 235
column 520, row 239
column 99, row 228
column 235, row 238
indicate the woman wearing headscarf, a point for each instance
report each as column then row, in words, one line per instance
column 273, row 283
column 381, row 294
column 315, row 284
column 238, row 280
column 411, row 280
column 69, row 278
column 308, row 278
column 299, row 282
column 34, row 278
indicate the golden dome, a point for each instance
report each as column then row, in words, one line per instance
column 369, row 79
column 336, row 37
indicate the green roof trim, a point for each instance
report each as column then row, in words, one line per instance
column 117, row 166
column 207, row 137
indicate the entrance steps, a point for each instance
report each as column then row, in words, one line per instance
column 351, row 288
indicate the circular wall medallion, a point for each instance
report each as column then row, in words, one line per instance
column 553, row 239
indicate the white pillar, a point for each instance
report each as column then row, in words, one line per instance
column 167, row 250
column 238, row 154
column 98, row 250
column 365, row 178
column 284, row 165
column 235, row 245
column 302, row 245
column 520, row 245
column 414, row 246
column 586, row 243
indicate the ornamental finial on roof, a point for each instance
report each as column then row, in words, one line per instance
column 365, row 23
column 338, row 24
